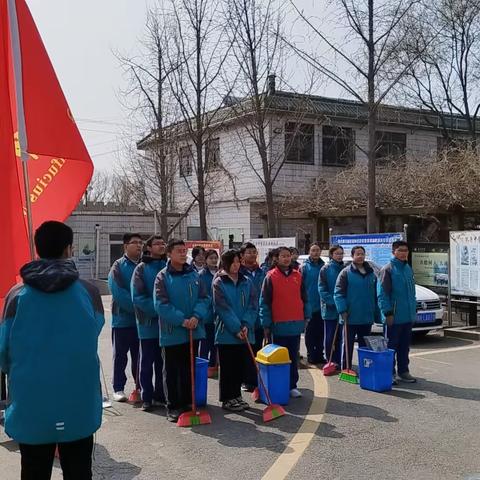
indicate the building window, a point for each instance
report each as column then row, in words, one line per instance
column 390, row 146
column 338, row 146
column 299, row 143
column 212, row 154
column 185, row 161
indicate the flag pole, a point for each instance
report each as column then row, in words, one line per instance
column 21, row 125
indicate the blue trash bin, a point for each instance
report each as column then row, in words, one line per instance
column 201, row 381
column 274, row 364
column 375, row 369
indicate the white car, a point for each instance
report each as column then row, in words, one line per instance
column 429, row 307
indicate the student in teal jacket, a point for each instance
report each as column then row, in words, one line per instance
column 182, row 304
column 143, row 280
column 124, row 326
column 326, row 287
column 208, row 350
column 356, row 300
column 398, row 305
column 236, row 312
column 48, row 347
column 314, row 331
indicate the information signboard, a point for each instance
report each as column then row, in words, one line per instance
column 464, row 263
column 378, row 246
column 264, row 245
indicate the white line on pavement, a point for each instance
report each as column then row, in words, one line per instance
column 300, row 441
column 444, row 350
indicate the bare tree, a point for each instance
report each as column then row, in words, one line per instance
column 445, row 79
column 360, row 63
column 99, row 188
column 430, row 183
column 255, row 29
column 151, row 175
column 197, row 54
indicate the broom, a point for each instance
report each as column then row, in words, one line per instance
column 330, row 368
column 195, row 417
column 272, row 411
column 256, row 391
column 347, row 375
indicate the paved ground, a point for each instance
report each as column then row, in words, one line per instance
column 426, row 431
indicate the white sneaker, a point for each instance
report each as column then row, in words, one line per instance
column 295, row 393
column 120, row 397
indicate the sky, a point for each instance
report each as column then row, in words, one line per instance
column 80, row 38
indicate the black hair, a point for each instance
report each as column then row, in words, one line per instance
column 399, row 243
column 227, row 259
column 150, row 240
column 333, row 248
column 357, row 247
column 246, row 246
column 52, row 238
column 174, row 242
column 127, row 237
column 196, row 250
column 294, row 250
column 210, row 252
column 282, row 249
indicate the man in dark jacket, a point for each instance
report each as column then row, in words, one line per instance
column 48, row 343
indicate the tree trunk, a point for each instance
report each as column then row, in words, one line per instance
column 372, row 111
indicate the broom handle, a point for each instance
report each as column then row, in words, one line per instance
column 252, row 355
column 332, row 350
column 192, row 371
column 346, row 345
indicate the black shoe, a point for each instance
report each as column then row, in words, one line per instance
column 147, row 406
column 246, row 387
column 232, row 406
column 172, row 415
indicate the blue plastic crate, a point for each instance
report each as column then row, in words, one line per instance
column 201, row 381
column 277, row 382
column 375, row 369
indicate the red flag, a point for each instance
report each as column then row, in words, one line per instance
column 11, row 203
column 59, row 165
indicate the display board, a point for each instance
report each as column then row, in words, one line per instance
column 464, row 263
column 378, row 246
column 264, row 245
column 430, row 264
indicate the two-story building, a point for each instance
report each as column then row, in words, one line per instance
column 309, row 137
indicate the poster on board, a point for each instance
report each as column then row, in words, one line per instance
column 378, row 246
column 264, row 245
column 430, row 268
column 465, row 263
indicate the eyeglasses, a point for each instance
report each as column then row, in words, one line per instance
column 135, row 242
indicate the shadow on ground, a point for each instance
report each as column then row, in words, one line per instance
column 445, row 390
column 105, row 467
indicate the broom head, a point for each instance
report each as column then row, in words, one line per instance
column 348, row 376
column 190, row 419
column 329, row 369
column 135, row 396
column 273, row 411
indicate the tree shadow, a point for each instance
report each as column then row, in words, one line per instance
column 105, row 467
column 404, row 394
column 236, row 430
column 358, row 410
column 444, row 389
